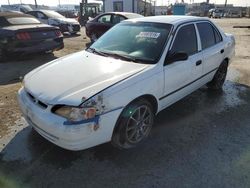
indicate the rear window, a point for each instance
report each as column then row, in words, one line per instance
column 23, row 21
column 206, row 34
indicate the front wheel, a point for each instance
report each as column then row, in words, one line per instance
column 219, row 77
column 134, row 125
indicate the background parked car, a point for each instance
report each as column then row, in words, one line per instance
column 24, row 34
column 233, row 14
column 17, row 7
column 217, row 13
column 54, row 18
column 103, row 22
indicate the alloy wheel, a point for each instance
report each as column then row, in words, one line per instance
column 139, row 124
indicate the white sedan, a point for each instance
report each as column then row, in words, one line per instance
column 112, row 90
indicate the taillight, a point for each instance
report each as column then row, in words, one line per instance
column 58, row 33
column 23, row 36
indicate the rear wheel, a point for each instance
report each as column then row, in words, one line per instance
column 134, row 125
column 219, row 77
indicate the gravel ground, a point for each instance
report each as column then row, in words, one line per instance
column 201, row 141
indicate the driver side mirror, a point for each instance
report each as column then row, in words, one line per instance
column 176, row 56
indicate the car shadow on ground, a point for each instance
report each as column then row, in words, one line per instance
column 193, row 139
column 68, row 35
column 15, row 68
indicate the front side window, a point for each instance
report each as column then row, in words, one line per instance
column 207, row 36
column 117, row 19
column 185, row 40
column 41, row 15
column 140, row 42
column 105, row 19
column 33, row 14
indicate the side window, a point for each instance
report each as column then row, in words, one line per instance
column 117, row 19
column 206, row 34
column 185, row 40
column 33, row 14
column 105, row 19
column 41, row 15
column 218, row 37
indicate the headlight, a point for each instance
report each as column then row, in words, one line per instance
column 76, row 113
column 87, row 110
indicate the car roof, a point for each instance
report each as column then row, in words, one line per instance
column 12, row 15
column 174, row 20
column 42, row 10
column 122, row 13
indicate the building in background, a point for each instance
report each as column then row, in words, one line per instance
column 144, row 7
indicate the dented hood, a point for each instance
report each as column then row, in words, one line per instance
column 67, row 80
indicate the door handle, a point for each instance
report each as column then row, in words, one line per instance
column 222, row 51
column 198, row 63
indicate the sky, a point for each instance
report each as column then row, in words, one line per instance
column 158, row 2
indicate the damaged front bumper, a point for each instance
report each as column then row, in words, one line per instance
column 68, row 136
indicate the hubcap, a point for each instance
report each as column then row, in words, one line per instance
column 139, row 124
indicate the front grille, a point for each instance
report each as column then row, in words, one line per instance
column 36, row 101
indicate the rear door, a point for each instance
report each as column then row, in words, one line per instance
column 181, row 76
column 212, row 47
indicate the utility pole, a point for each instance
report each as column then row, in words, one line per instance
column 9, row 2
column 36, row 3
column 225, row 3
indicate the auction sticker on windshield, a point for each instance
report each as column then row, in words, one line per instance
column 152, row 35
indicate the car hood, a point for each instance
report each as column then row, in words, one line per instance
column 71, row 79
column 67, row 20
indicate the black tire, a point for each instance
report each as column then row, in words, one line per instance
column 219, row 77
column 2, row 55
column 73, row 33
column 133, row 125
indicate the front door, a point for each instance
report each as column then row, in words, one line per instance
column 182, row 77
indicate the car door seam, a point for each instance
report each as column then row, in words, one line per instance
column 187, row 84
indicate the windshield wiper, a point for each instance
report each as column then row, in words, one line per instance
column 93, row 50
column 129, row 58
column 120, row 56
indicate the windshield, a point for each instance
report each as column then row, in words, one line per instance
column 52, row 14
column 22, row 21
column 141, row 42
